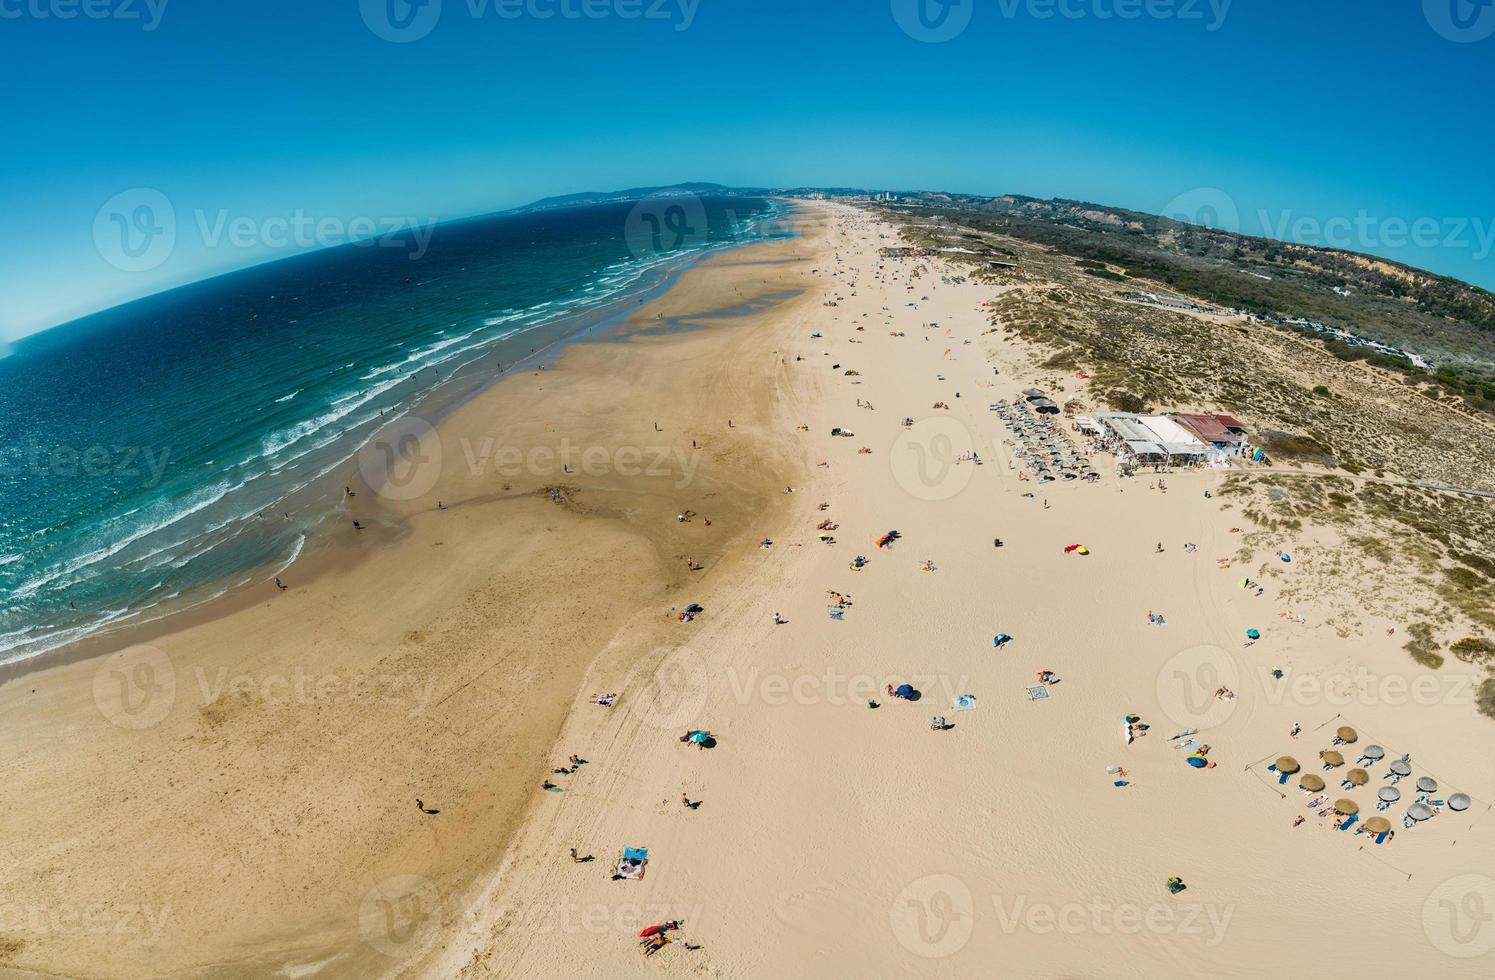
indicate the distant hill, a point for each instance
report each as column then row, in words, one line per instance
column 631, row 194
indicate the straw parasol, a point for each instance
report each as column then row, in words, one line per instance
column 1332, row 757
column 1458, row 801
column 1288, row 765
column 1374, row 752
column 1400, row 768
column 1347, row 734
column 1346, row 807
column 1420, row 811
column 1389, row 794
column 1377, row 825
column 1311, row 783
column 1427, row 784
column 1359, row 777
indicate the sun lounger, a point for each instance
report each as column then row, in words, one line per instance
column 1348, row 821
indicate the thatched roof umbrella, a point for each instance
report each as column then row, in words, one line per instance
column 1420, row 811
column 1374, row 752
column 1358, row 777
column 1347, row 734
column 1311, row 783
column 1458, row 801
column 1388, row 794
column 1332, row 757
column 1288, row 765
column 1400, row 768
column 1427, row 784
column 1377, row 825
column 1346, row 807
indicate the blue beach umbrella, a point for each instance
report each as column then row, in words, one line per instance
column 1253, row 633
column 905, row 690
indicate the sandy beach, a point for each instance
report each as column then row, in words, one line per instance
column 238, row 796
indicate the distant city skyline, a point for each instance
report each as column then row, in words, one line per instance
column 163, row 144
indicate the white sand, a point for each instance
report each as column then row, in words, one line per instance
column 838, row 841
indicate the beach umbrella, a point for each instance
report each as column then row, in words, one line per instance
column 1420, row 811
column 1331, row 757
column 1378, row 825
column 1311, row 783
column 1358, row 777
column 1374, row 752
column 1389, row 794
column 1347, row 734
column 1458, row 801
column 1427, row 784
column 1346, row 807
column 1400, row 768
column 1253, row 633
column 1287, row 764
column 699, row 737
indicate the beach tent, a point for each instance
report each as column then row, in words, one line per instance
column 1197, row 761
column 1253, row 633
column 1346, row 807
column 1388, row 794
column 1348, row 734
column 694, row 607
column 1357, row 777
column 1458, row 801
column 1287, row 764
column 1332, row 758
column 1311, row 783
column 1427, row 784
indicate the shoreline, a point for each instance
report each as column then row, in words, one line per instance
column 288, row 736
column 323, row 550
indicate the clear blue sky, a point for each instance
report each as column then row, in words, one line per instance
column 1333, row 109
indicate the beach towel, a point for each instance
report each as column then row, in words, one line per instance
column 966, row 702
column 1038, row 693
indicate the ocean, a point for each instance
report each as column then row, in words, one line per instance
column 148, row 452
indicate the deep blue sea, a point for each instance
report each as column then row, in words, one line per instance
column 139, row 445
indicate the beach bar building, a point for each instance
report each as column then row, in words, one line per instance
column 1154, row 439
column 1224, row 432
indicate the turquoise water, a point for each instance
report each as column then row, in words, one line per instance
column 148, row 453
